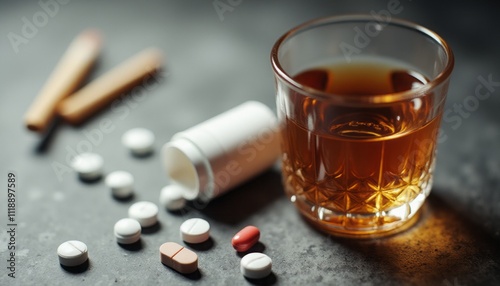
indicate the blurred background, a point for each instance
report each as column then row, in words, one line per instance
column 216, row 57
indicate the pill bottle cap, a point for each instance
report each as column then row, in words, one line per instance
column 216, row 155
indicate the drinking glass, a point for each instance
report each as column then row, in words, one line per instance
column 360, row 164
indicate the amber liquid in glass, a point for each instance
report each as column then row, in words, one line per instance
column 358, row 170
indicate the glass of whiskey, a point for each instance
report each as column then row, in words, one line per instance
column 359, row 102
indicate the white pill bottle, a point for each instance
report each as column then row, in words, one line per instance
column 219, row 154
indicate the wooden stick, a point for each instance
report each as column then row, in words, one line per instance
column 68, row 74
column 103, row 90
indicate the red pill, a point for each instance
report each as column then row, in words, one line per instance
column 246, row 238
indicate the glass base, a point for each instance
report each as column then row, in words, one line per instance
column 371, row 225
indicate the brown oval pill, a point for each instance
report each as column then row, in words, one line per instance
column 179, row 258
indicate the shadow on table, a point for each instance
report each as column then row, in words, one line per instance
column 442, row 248
column 77, row 269
column 245, row 200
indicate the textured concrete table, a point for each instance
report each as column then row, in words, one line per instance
column 218, row 57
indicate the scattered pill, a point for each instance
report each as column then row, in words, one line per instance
column 144, row 212
column 256, row 265
column 172, row 197
column 246, row 238
column 88, row 165
column 195, row 230
column 72, row 253
column 127, row 231
column 139, row 141
column 179, row 258
column 121, row 183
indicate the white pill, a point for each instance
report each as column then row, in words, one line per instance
column 195, row 230
column 139, row 141
column 256, row 265
column 88, row 165
column 144, row 212
column 127, row 231
column 72, row 253
column 121, row 183
column 172, row 197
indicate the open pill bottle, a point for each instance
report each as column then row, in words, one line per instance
column 215, row 156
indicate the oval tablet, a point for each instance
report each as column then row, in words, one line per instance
column 256, row 265
column 72, row 253
column 127, row 231
column 195, row 230
column 139, row 141
column 246, row 238
column 144, row 212
column 179, row 258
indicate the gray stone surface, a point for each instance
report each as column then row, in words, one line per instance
column 214, row 63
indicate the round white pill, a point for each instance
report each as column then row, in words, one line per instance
column 256, row 265
column 72, row 253
column 195, row 230
column 127, row 231
column 139, row 141
column 121, row 183
column 172, row 197
column 88, row 165
column 144, row 212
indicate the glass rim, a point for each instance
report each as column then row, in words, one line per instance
column 379, row 98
